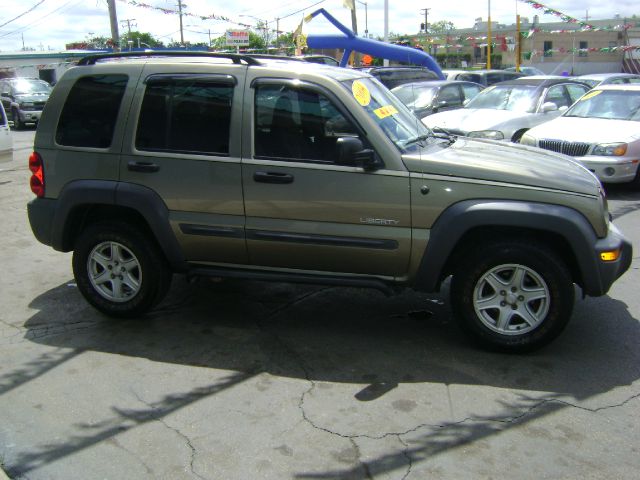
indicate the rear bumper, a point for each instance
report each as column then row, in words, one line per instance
column 41, row 212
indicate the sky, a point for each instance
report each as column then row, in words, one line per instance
column 50, row 24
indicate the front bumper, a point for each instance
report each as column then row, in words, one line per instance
column 611, row 169
column 609, row 272
column 30, row 116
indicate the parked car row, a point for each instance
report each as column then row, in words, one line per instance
column 593, row 118
column 506, row 110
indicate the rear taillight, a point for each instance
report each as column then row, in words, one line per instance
column 37, row 179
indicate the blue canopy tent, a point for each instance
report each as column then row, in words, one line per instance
column 350, row 43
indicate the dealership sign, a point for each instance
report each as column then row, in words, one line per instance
column 238, row 38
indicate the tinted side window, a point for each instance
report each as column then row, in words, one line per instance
column 470, row 91
column 557, row 95
column 451, row 95
column 185, row 116
column 576, row 91
column 297, row 124
column 470, row 77
column 89, row 115
column 494, row 78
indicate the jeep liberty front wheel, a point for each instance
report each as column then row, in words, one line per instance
column 119, row 270
column 512, row 296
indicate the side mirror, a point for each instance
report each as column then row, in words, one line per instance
column 549, row 107
column 351, row 152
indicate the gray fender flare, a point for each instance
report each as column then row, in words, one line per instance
column 136, row 197
column 462, row 217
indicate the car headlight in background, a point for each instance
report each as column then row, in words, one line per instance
column 490, row 134
column 610, row 149
column 528, row 140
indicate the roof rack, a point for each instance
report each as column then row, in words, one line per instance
column 235, row 57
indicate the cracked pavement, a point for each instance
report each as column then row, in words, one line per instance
column 243, row 380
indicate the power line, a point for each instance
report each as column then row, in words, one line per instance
column 24, row 13
column 301, row 10
column 66, row 6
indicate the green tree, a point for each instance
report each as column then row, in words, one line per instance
column 140, row 39
column 442, row 26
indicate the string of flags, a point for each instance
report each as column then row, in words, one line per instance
column 170, row 11
column 563, row 16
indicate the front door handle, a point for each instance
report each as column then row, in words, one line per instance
column 145, row 167
column 272, row 177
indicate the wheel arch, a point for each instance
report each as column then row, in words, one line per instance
column 469, row 223
column 85, row 202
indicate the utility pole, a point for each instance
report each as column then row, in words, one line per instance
column 489, row 38
column 180, row 15
column 366, row 18
column 129, row 21
column 426, row 28
column 113, row 18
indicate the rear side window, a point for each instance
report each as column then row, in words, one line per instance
column 88, row 118
column 186, row 116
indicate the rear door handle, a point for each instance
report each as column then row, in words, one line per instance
column 272, row 177
column 145, row 167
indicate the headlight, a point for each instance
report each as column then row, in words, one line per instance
column 491, row 134
column 610, row 149
column 528, row 140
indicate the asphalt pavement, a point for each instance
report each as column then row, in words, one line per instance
column 247, row 380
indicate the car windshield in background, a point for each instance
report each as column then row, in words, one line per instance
column 31, row 86
column 415, row 97
column 515, row 98
column 609, row 104
column 396, row 121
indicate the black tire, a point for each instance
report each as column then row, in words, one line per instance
column 491, row 313
column 17, row 123
column 635, row 183
column 120, row 291
column 518, row 135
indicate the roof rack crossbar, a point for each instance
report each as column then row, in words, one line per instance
column 235, row 57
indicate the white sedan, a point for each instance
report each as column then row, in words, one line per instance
column 602, row 130
column 506, row 110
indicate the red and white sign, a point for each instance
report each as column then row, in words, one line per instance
column 238, row 38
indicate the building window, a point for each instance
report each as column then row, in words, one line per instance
column 548, row 46
column 583, row 51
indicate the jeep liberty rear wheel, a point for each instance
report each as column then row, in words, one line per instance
column 119, row 270
column 512, row 296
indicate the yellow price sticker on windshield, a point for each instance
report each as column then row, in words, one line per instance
column 361, row 93
column 386, row 111
column 591, row 95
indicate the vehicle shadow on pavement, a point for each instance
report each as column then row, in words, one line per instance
column 324, row 334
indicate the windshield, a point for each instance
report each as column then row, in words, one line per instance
column 515, row 98
column 31, row 86
column 415, row 97
column 609, row 104
column 397, row 122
